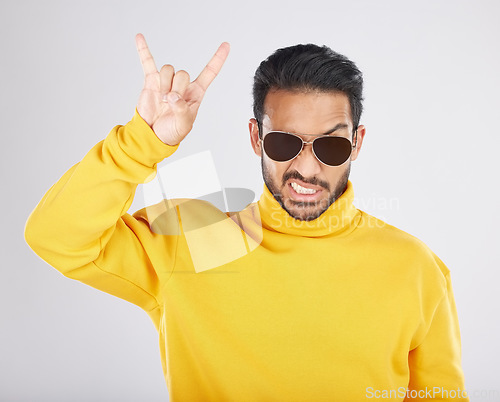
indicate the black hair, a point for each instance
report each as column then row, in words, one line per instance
column 304, row 68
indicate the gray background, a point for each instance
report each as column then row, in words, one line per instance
column 429, row 164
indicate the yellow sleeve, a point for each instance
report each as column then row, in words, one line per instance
column 435, row 364
column 81, row 227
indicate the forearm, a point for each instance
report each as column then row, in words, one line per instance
column 78, row 215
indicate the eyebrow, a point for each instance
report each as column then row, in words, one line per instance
column 337, row 127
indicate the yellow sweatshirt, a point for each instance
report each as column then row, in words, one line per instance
column 255, row 305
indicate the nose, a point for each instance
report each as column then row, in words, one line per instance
column 306, row 162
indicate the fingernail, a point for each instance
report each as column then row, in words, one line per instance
column 173, row 97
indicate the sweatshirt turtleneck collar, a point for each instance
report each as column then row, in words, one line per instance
column 340, row 218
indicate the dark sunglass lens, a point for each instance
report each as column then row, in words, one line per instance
column 281, row 147
column 333, row 151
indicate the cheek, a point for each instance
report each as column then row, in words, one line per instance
column 275, row 169
column 279, row 169
column 332, row 175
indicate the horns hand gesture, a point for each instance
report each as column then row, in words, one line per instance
column 169, row 101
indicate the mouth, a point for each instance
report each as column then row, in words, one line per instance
column 300, row 191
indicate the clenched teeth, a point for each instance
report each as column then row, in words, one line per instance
column 302, row 190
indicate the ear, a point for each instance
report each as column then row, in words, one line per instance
column 254, row 137
column 358, row 142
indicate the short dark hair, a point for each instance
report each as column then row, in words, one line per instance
column 304, row 68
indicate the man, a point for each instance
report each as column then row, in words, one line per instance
column 327, row 303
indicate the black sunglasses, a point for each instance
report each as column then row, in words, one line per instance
column 329, row 150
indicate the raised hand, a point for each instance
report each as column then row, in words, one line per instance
column 169, row 102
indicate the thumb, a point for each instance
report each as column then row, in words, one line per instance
column 175, row 101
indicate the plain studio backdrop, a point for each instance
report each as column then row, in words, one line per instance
column 429, row 163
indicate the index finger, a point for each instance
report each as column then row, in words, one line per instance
column 147, row 61
column 213, row 67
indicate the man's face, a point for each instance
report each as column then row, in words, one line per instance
column 307, row 114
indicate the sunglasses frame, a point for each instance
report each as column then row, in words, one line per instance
column 261, row 139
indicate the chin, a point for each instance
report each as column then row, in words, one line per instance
column 304, row 211
column 305, row 214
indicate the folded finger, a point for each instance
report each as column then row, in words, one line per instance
column 180, row 82
column 166, row 75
